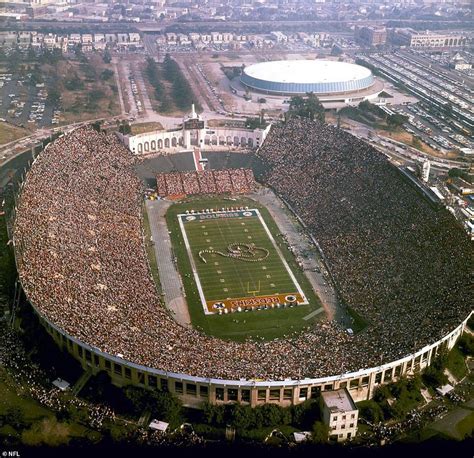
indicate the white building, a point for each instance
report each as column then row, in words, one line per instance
column 425, row 171
column 194, row 132
column 340, row 414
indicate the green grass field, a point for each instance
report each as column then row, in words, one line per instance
column 264, row 324
column 222, row 277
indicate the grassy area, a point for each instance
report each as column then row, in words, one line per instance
column 86, row 85
column 465, row 427
column 29, row 423
column 455, row 363
column 408, row 139
column 145, row 127
column 266, row 324
column 9, row 132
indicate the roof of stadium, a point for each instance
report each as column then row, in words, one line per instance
column 320, row 76
column 307, row 71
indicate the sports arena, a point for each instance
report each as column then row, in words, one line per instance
column 293, row 77
column 398, row 261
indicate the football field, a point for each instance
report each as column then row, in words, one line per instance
column 236, row 262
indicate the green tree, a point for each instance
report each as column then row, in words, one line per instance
column 307, row 107
column 320, row 433
column 125, row 128
column 466, row 344
column 242, row 417
column 106, row 74
column 370, row 411
column 54, row 96
column 107, row 58
column 396, row 120
column 434, row 377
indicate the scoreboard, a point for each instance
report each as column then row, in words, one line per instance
column 194, row 124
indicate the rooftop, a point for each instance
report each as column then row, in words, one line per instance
column 338, row 401
column 307, row 71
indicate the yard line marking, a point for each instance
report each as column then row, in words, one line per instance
column 313, row 313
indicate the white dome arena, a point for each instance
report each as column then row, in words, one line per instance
column 290, row 77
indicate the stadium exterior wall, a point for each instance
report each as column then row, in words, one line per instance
column 193, row 391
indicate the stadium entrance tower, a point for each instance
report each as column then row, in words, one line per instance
column 193, row 127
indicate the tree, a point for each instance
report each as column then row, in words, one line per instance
column 107, row 58
column 96, row 125
column 125, row 128
column 106, row 74
column 54, row 96
column 434, row 377
column 416, row 143
column 320, row 433
column 370, row 411
column 309, row 107
column 396, row 120
column 242, row 417
column 78, row 50
column 466, row 344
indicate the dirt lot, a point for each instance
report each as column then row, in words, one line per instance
column 9, row 133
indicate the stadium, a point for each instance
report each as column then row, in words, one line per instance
column 297, row 77
column 400, row 263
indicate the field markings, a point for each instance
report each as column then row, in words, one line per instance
column 233, row 265
column 313, row 313
column 233, row 274
column 193, row 266
column 283, row 260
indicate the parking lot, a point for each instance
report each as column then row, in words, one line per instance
column 444, row 116
column 25, row 105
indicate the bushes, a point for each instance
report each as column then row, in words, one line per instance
column 370, row 411
column 320, row 433
column 434, row 377
column 406, row 396
column 161, row 404
column 466, row 344
column 306, row 107
column 106, row 74
column 245, row 418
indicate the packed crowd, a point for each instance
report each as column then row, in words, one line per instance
column 82, row 262
column 236, row 181
column 398, row 262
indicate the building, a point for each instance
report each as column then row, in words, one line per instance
column 292, row 77
column 425, row 171
column 340, row 414
column 194, row 132
column 371, row 36
column 415, row 39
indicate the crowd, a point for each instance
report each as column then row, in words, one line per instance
column 236, row 181
column 37, row 383
column 397, row 261
column 82, row 262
